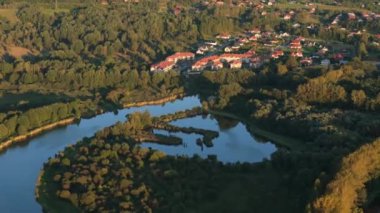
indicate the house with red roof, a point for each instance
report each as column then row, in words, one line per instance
column 255, row 31
column 198, row 67
column 180, row 56
column 170, row 61
column 163, row 66
column 351, row 16
column 251, row 52
column 243, row 40
column 177, row 10
column 236, row 64
column 295, row 44
column 295, row 41
column 223, row 36
column 306, row 61
column 215, row 62
column 276, row 54
column 204, row 62
column 253, row 38
column 216, row 65
column 231, row 57
column 287, row 17
column 259, row 6
column 297, row 54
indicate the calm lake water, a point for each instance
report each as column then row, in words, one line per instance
column 21, row 164
column 233, row 144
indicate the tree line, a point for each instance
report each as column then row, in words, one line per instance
column 20, row 123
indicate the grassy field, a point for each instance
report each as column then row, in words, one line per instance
column 9, row 14
column 320, row 7
column 17, row 52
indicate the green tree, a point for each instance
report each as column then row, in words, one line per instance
column 358, row 97
column 4, row 132
column 281, row 69
column 292, row 63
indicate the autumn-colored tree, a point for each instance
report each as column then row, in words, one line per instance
column 358, row 97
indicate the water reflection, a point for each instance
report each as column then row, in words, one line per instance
column 225, row 123
column 234, row 144
column 20, row 164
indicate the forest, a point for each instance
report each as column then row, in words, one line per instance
column 82, row 60
column 347, row 193
column 111, row 172
column 338, row 109
column 20, row 123
column 77, row 56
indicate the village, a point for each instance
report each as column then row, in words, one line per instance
column 255, row 47
column 251, row 50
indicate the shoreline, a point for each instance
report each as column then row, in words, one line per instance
column 35, row 132
column 42, row 194
column 277, row 139
column 38, row 184
column 154, row 102
column 21, row 138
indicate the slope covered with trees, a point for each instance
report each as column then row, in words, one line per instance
column 343, row 193
column 20, row 123
column 332, row 111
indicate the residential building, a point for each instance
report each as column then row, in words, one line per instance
column 325, row 62
column 297, row 54
column 180, row 56
column 163, row 66
column 236, row 64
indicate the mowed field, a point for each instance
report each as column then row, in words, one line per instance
column 10, row 14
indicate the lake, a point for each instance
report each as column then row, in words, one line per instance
column 21, row 164
column 234, row 143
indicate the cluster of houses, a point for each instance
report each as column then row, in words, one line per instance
column 216, row 62
column 320, row 55
column 170, row 61
column 241, row 3
column 359, row 17
column 234, row 57
column 235, row 52
column 289, row 15
column 106, row 2
column 213, row 62
column 296, row 47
